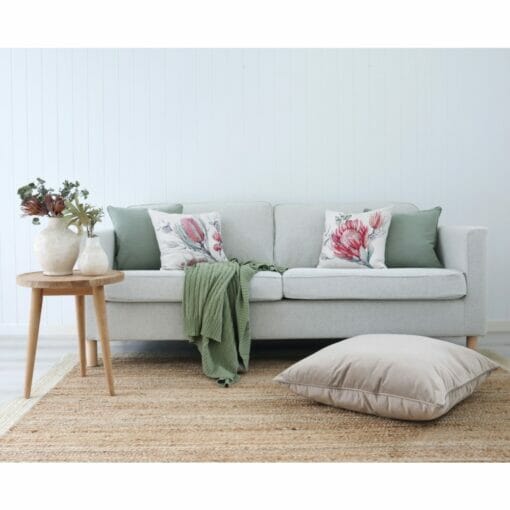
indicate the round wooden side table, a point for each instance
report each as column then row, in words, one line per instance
column 77, row 285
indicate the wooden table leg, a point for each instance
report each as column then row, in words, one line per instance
column 471, row 342
column 100, row 307
column 33, row 334
column 80, row 319
column 91, row 348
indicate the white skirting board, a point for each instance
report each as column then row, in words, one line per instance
column 8, row 329
column 499, row 326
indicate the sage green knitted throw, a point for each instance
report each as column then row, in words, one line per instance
column 217, row 315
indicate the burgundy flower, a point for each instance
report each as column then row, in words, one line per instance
column 376, row 220
column 217, row 236
column 32, row 207
column 54, row 204
column 193, row 230
column 349, row 239
column 217, row 247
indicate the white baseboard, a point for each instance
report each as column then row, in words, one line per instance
column 53, row 330
column 70, row 329
column 499, row 326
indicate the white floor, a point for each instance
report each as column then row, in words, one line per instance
column 52, row 349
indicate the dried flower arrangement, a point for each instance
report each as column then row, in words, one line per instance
column 38, row 200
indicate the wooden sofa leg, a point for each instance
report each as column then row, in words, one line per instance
column 92, row 353
column 471, row 342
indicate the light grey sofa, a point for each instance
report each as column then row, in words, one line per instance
column 306, row 302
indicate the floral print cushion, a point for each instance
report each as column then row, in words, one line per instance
column 186, row 239
column 355, row 240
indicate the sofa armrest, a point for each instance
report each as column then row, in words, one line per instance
column 465, row 249
column 107, row 240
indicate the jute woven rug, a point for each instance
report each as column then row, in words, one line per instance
column 165, row 410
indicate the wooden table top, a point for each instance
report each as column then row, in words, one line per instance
column 38, row 280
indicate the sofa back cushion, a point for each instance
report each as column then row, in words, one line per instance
column 247, row 228
column 299, row 228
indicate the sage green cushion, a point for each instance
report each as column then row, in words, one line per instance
column 136, row 246
column 412, row 239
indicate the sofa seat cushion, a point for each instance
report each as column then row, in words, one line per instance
column 373, row 284
column 168, row 286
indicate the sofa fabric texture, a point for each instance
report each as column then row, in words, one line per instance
column 168, row 286
column 465, row 248
column 136, row 246
column 396, row 376
column 373, row 284
column 440, row 302
column 293, row 319
column 306, row 283
column 247, row 228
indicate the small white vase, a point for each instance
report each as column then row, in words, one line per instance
column 57, row 248
column 93, row 259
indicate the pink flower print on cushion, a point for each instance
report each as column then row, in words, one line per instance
column 193, row 230
column 350, row 241
column 376, row 220
column 218, row 245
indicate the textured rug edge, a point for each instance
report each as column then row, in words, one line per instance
column 14, row 410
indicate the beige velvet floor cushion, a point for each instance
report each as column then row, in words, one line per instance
column 397, row 376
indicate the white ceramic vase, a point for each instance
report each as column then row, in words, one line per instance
column 57, row 248
column 93, row 259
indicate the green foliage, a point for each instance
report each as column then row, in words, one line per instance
column 83, row 215
column 71, row 190
column 39, row 200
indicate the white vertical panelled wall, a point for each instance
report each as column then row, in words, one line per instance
column 426, row 126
